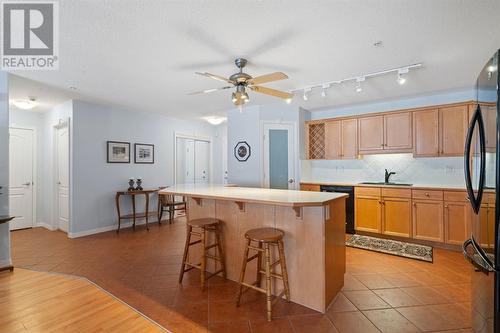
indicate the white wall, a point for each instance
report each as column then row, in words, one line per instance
column 95, row 182
column 219, row 151
column 439, row 170
column 5, row 259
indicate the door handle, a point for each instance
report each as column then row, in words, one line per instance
column 27, row 184
column 291, row 180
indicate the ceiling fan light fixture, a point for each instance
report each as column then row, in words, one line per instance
column 234, row 98
column 288, row 100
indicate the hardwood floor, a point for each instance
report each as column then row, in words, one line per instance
column 382, row 293
column 33, row 301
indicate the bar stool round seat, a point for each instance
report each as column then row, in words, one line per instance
column 203, row 222
column 200, row 229
column 265, row 239
column 265, row 235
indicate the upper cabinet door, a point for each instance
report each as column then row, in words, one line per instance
column 333, row 140
column 371, row 134
column 349, row 139
column 426, row 133
column 398, row 132
column 453, row 124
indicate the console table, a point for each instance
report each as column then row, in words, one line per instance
column 135, row 215
column 6, row 219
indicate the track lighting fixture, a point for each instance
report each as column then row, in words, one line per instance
column 358, row 83
column 323, row 92
column 306, row 91
column 401, row 78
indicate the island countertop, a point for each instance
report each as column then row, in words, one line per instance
column 289, row 198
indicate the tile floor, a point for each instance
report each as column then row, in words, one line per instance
column 382, row 293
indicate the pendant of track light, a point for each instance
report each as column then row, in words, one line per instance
column 401, row 72
column 325, row 87
column 306, row 91
column 358, row 83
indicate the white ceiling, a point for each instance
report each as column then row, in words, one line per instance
column 143, row 54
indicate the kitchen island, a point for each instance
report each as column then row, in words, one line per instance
column 314, row 226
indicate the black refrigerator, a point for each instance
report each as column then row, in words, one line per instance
column 482, row 177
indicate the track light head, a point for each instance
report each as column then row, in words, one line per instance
column 401, row 78
column 306, row 91
column 358, row 83
column 325, row 87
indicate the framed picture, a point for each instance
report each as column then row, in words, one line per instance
column 118, row 152
column 242, row 151
column 144, row 153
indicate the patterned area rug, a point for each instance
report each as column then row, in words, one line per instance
column 402, row 249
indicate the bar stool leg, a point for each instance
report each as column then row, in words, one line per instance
column 259, row 266
column 203, row 265
column 268, row 282
column 284, row 273
column 186, row 249
column 218, row 239
column 242, row 272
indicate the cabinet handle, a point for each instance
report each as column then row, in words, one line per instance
column 426, row 194
column 445, row 206
column 414, row 204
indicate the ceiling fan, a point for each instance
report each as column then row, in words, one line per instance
column 241, row 81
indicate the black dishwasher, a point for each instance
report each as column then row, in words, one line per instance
column 349, row 203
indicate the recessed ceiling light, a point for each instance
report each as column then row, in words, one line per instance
column 73, row 88
column 25, row 104
column 214, row 120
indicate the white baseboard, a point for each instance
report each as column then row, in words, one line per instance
column 46, row 226
column 5, row 262
column 103, row 229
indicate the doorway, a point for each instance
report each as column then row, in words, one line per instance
column 279, row 156
column 21, row 177
column 62, row 176
column 192, row 160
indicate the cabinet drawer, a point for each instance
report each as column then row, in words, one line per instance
column 367, row 191
column 396, row 192
column 310, row 187
column 427, row 194
column 459, row 196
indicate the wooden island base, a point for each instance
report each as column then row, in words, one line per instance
column 314, row 243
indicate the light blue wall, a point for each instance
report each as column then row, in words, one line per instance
column 5, row 259
column 95, row 182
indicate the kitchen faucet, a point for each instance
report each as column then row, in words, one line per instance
column 388, row 175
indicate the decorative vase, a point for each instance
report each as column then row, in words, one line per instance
column 139, row 183
column 131, row 184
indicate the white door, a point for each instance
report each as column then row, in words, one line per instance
column 279, row 156
column 62, row 164
column 184, row 161
column 201, row 161
column 21, row 178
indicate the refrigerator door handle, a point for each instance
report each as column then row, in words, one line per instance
column 477, row 258
column 475, row 200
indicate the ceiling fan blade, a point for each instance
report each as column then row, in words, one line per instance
column 206, row 91
column 215, row 77
column 272, row 92
column 268, row 78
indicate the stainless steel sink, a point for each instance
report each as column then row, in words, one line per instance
column 383, row 183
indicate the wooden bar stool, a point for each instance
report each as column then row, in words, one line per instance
column 264, row 237
column 201, row 227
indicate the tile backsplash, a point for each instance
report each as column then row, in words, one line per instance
column 442, row 170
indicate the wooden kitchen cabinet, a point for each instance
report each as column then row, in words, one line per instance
column 371, row 134
column 398, row 132
column 341, row 139
column 457, row 216
column 426, row 133
column 453, row 124
column 428, row 220
column 368, row 209
column 396, row 216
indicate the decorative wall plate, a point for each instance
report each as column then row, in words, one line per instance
column 242, row 151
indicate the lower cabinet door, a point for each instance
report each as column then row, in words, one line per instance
column 428, row 220
column 396, row 217
column 457, row 223
column 368, row 214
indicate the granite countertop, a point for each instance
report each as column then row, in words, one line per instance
column 255, row 195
